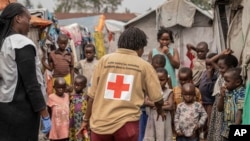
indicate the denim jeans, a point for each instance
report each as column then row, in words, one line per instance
column 142, row 124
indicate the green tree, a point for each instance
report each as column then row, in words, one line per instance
column 95, row 6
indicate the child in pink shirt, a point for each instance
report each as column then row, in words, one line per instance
column 58, row 104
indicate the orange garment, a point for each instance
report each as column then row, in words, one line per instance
column 59, row 116
column 178, row 96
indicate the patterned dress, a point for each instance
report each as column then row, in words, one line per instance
column 78, row 106
column 216, row 119
column 159, row 130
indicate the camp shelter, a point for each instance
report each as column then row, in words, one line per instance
column 189, row 24
column 113, row 30
column 95, row 25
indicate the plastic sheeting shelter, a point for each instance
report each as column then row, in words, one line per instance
column 189, row 24
column 95, row 26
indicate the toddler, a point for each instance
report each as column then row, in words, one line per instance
column 58, row 104
column 190, row 115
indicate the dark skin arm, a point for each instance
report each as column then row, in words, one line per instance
column 76, row 70
column 220, row 106
column 47, row 66
column 214, row 59
column 238, row 119
column 159, row 109
column 86, row 116
column 169, row 103
column 72, row 73
column 174, row 60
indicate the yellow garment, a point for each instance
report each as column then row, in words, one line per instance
column 99, row 43
column 67, row 78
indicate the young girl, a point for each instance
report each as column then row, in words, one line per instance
column 78, row 105
column 88, row 64
column 165, row 38
column 189, row 116
column 224, row 61
column 160, row 130
column 158, row 61
column 58, row 104
column 231, row 100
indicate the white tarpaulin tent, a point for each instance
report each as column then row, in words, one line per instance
column 189, row 23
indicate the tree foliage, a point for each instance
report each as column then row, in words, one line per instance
column 203, row 4
column 94, row 6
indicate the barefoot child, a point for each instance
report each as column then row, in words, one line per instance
column 78, row 106
column 157, row 129
column 190, row 115
column 58, row 104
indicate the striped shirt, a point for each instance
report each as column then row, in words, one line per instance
column 62, row 62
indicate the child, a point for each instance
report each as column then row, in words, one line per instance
column 61, row 61
column 185, row 76
column 231, row 100
column 158, row 61
column 160, row 130
column 207, row 82
column 166, row 40
column 190, row 115
column 197, row 63
column 225, row 61
column 88, row 64
column 78, row 105
column 58, row 105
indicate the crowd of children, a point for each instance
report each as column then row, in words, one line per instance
column 200, row 102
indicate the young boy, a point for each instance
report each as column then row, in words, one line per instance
column 190, row 115
column 61, row 61
column 185, row 76
column 231, row 100
column 208, row 79
column 198, row 59
column 88, row 64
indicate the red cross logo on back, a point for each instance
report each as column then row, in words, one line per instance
column 119, row 86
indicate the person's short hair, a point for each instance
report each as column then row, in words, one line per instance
column 230, row 60
column 162, row 70
column 132, row 38
column 203, row 43
column 163, row 30
column 235, row 73
column 187, row 71
column 90, row 45
column 81, row 77
column 159, row 59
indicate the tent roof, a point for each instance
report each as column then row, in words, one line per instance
column 114, row 25
column 89, row 22
column 204, row 12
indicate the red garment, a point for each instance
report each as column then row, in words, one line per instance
column 191, row 57
column 128, row 132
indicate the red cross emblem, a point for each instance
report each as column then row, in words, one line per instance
column 118, row 86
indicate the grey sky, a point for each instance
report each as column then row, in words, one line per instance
column 135, row 6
